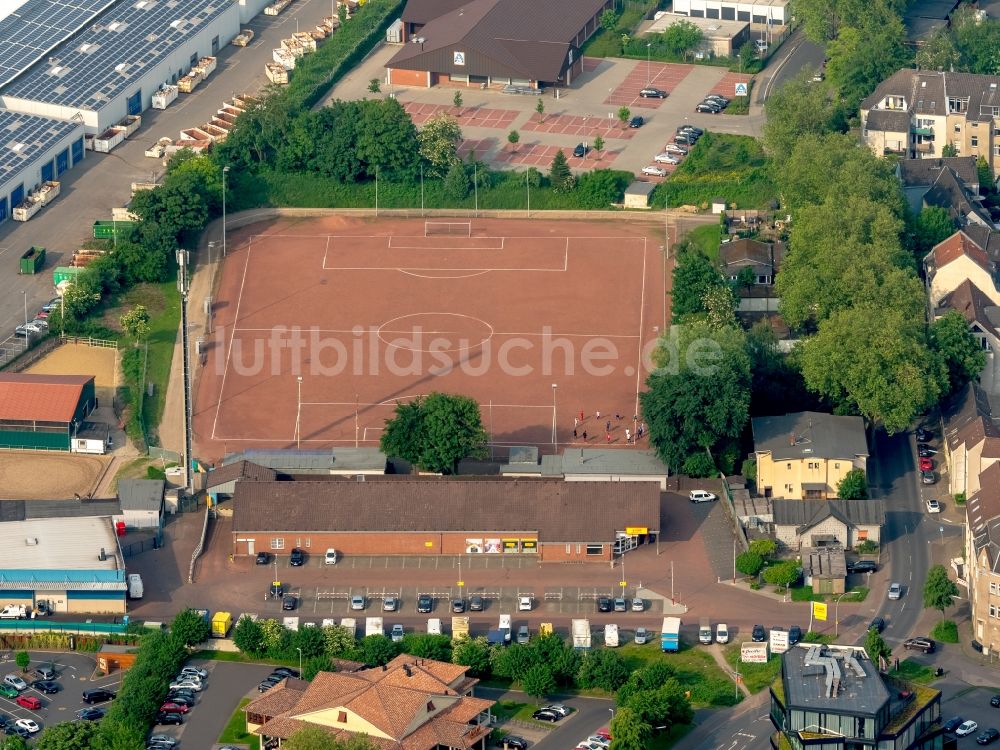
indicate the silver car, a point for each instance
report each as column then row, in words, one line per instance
column 895, row 591
column 357, row 602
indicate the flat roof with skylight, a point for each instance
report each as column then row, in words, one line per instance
column 25, row 138
column 128, row 41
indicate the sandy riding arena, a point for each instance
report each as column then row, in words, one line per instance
column 81, row 359
column 32, row 475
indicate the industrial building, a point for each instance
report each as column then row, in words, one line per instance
column 72, row 564
column 756, row 12
column 43, row 412
column 70, row 69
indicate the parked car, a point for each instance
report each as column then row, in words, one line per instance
column 424, row 603
column 559, row 708
column 995, row 701
column 654, row 171
column 174, row 707
column 708, row 107
column 666, row 158
column 476, row 603
column 277, row 590
column 926, row 464
column 761, row 46
column 698, row 132
column 877, row 624
column 603, row 604
column 523, row 636
column 52, row 304
column 181, row 700
column 621, row 605
column 543, row 715
column 638, row 605
column 458, row 605
column 924, row 435
column 928, row 477
column 524, row 604
column 28, row 725
column 953, row 723
column 862, row 566
column 357, row 602
column 685, row 139
column 28, row 701
column 92, row 714
column 515, row 742
column 794, row 635
column 297, row 557
column 6, row 691
column 718, row 99
column 396, row 633
column 182, row 693
column 201, row 674
column 390, row 604
column 721, row 633
column 759, row 635
column 15, row 682
column 641, row 636
column 636, row 122
column 49, row 687
column 169, row 718
column 580, row 150
column 988, row 736
column 289, row 602
column 967, row 727
column 330, row 558
column 286, row 672
column 651, row 92
column 163, row 739
column 13, row 728
column 676, row 148
column 45, row 672
column 187, row 683
column 263, row 558
column 925, row 450
column 701, row 496
column 98, row 695
column 895, row 591
column 919, row 644
column 266, row 685
column 933, row 506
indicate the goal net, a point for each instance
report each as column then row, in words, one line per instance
column 450, row 228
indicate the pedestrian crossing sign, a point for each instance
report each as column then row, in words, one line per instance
column 741, row 89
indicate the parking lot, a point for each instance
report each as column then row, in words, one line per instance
column 664, row 76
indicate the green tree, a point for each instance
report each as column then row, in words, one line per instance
column 274, row 635
column 782, row 574
column 473, row 653
column 720, row 304
column 949, row 149
column 22, row 659
column 457, row 101
column 800, row 107
column 976, row 40
column 628, row 730
column 68, row 735
column 624, row 113
column 938, row 52
column 439, row 139
column 853, row 486
column 860, row 59
column 135, row 323
column 958, row 349
column 427, row 646
column 932, row 225
column 749, row 469
column 875, row 646
column 559, row 175
column 513, row 138
column 694, row 277
column 987, row 182
column 248, row 636
column 681, row 38
column 384, row 139
column 562, row 660
column 699, row 396
column 374, row 86
column 189, row 628
column 513, row 662
column 602, row 668
column 311, row 641
column 538, row 681
column 376, row 650
column 316, row 664
column 13, row 743
column 698, row 465
column 540, row 109
column 598, row 143
column 939, row 590
column 456, row 182
column 435, row 432
column 749, row 563
column 342, row 14
column 319, row 738
column 764, row 547
column 82, row 296
column 609, row 20
column 339, row 641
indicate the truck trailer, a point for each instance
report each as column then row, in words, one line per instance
column 670, row 635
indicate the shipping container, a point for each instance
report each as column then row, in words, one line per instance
column 110, row 138
column 26, row 210
column 32, row 260
column 243, row 38
column 48, row 192
column 276, row 73
column 131, row 123
column 670, row 634
column 187, row 84
column 123, row 214
column 294, row 46
column 276, row 7
column 306, row 40
column 164, row 97
column 459, row 627
column 105, row 230
column 64, row 273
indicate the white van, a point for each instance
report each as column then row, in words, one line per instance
column 721, row 633
column 705, row 632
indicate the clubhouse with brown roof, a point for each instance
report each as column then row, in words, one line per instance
column 494, row 43
column 554, row 519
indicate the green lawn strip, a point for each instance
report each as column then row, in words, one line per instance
column 236, row 656
column 756, row 677
column 235, row 732
column 913, row 671
column 945, row 631
column 696, row 670
column 806, row 594
column 666, row 740
column 739, row 105
column 707, row 238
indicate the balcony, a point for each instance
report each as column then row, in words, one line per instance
column 927, row 147
column 922, row 131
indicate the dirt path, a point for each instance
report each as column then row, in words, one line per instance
column 716, row 652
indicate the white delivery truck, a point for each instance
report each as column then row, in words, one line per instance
column 135, row 586
column 434, row 626
column 581, row 633
column 373, row 626
column 611, row 635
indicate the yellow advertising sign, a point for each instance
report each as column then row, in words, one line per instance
column 819, row 611
column 636, row 530
column 428, row 544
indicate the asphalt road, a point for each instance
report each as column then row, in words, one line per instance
column 102, row 181
column 590, row 714
column 796, row 54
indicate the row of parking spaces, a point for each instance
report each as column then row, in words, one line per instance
column 558, row 600
column 538, row 155
column 664, row 76
column 480, row 117
column 588, row 127
column 422, row 562
column 730, row 86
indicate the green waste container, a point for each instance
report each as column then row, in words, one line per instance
column 33, row 260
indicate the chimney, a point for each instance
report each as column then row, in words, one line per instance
column 409, row 672
column 103, row 556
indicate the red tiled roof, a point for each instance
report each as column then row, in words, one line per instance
column 41, row 398
column 956, row 246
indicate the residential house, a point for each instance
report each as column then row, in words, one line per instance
column 971, row 440
column 957, row 259
column 763, row 259
column 833, row 697
column 827, row 523
column 805, row 455
column 963, row 205
column 825, row 569
column 409, row 704
column 978, row 310
column 983, row 569
column 919, row 175
column 916, row 113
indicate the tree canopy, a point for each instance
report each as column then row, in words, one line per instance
column 435, row 432
column 960, row 352
column 939, row 590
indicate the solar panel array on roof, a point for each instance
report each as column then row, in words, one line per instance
column 37, row 27
column 129, row 40
column 24, row 137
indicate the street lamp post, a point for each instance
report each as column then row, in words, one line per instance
column 740, row 58
column 25, row 295
column 298, row 417
column 555, row 437
column 836, row 614
column 225, row 172
column 648, row 76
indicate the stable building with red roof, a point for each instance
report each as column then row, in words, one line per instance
column 43, row 412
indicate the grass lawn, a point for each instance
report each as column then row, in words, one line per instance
column 740, row 105
column 669, row 739
column 695, row 669
column 756, row 677
column 805, row 594
column 707, row 238
column 505, row 710
column 206, row 653
column 914, row 672
column 235, row 731
column 946, row 631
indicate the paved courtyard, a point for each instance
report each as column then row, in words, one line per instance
column 665, row 76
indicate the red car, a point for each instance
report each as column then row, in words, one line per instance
column 926, row 464
column 28, row 701
column 174, row 708
column 603, row 732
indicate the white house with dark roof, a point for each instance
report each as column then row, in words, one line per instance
column 827, row 523
column 957, row 259
column 971, row 439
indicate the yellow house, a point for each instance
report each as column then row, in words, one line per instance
column 409, row 704
column 803, row 456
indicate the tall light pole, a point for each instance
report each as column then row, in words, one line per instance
column 300, row 660
column 24, row 294
column 225, row 171
column 527, row 186
column 836, row 615
column 298, row 417
column 555, row 438
column 648, row 45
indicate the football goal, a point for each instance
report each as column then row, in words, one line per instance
column 451, row 228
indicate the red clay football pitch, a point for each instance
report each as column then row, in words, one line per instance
column 321, row 325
